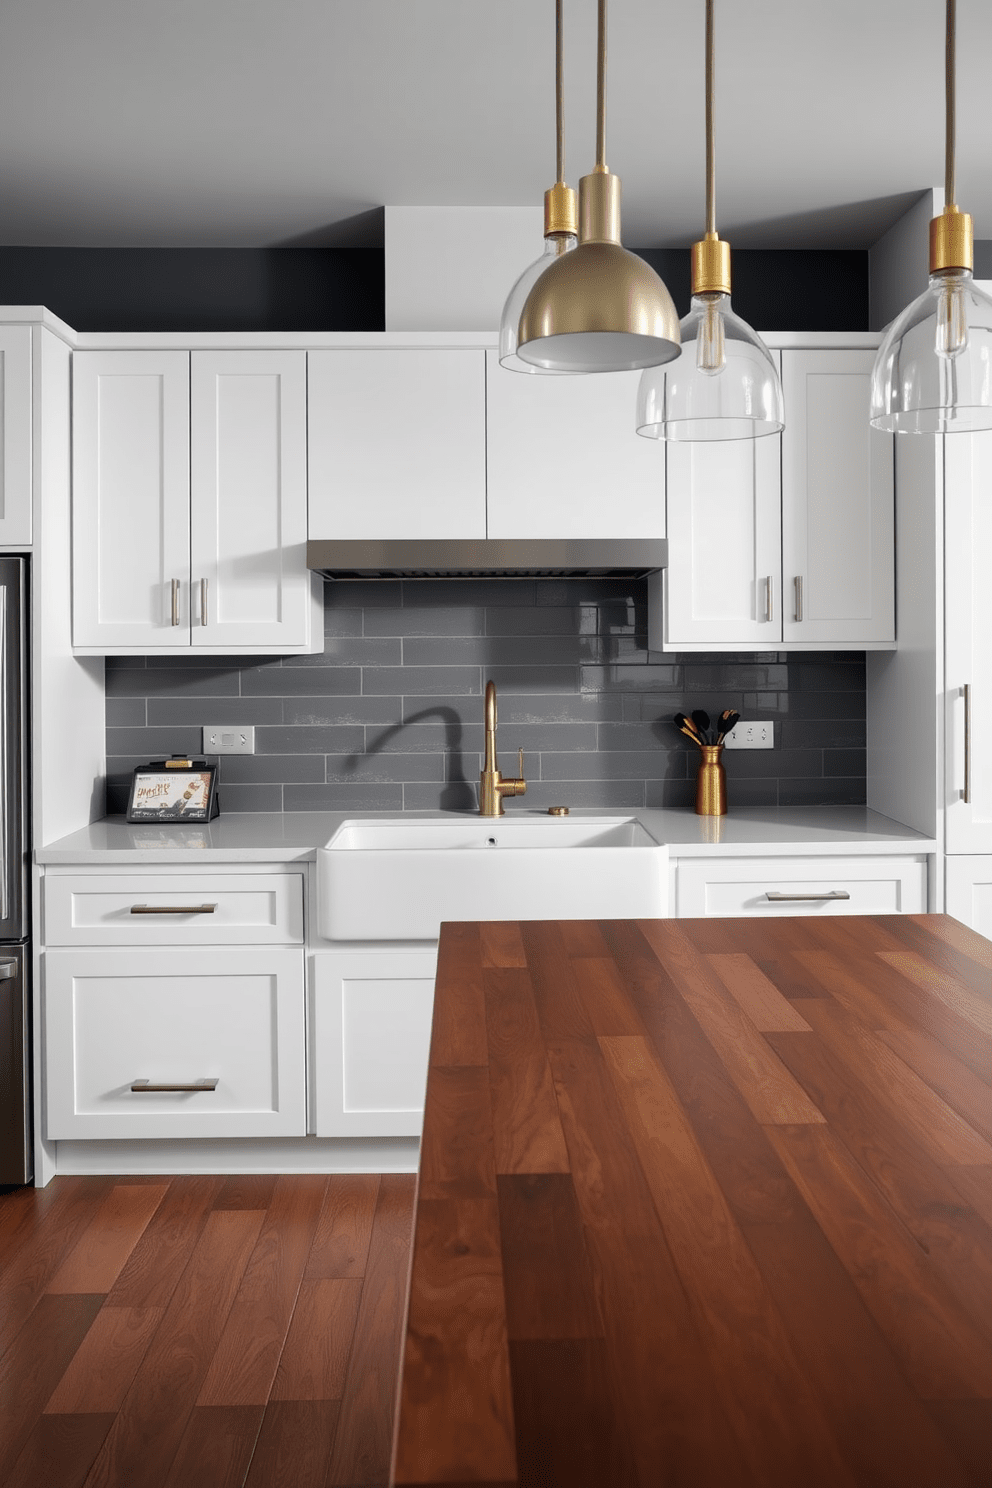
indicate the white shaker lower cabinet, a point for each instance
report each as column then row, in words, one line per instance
column 371, row 1032
column 222, row 1026
column 968, row 890
column 967, row 647
column 768, row 886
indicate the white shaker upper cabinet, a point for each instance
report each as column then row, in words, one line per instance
column 968, row 647
column 397, row 443
column 130, row 500
column 722, row 587
column 837, row 505
column 249, row 583
column 15, row 435
column 563, row 459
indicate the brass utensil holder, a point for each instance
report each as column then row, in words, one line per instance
column 711, row 783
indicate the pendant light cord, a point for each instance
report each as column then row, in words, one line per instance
column 559, row 92
column 710, row 150
column 601, row 91
column 949, row 87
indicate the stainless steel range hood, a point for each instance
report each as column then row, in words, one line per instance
column 488, row 558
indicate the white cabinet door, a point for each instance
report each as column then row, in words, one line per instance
column 397, row 443
column 130, row 501
column 722, row 587
column 371, row 1039
column 838, row 539
column 233, row 1015
column 563, row 459
column 969, row 891
column 248, row 499
column 15, row 435
column 968, row 647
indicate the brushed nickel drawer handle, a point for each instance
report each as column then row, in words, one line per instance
column 769, row 613
column 149, row 1087
column 966, row 793
column 203, row 602
column 799, row 598
column 777, row 898
column 175, row 601
column 173, row 908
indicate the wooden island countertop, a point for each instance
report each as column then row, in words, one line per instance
column 704, row 1204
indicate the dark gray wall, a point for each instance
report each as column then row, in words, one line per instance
column 390, row 715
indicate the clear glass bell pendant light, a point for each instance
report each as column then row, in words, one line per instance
column 933, row 370
column 560, row 233
column 599, row 308
column 725, row 385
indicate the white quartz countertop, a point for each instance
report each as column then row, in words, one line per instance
column 256, row 837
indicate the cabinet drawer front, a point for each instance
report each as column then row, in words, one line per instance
column 801, row 886
column 180, row 909
column 182, row 1018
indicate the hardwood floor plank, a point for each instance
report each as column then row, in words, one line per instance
column 294, row 1445
column 341, row 1245
column 246, row 1191
column 974, row 1184
column 501, row 944
column 102, row 1368
column 966, row 944
column 363, row 1442
column 457, row 1350
column 152, row 1270
column 961, row 999
column 458, row 1033
column 943, row 1135
column 936, row 1342
column 766, row 1085
column 546, row 1272
column 216, row 1447
column 23, row 1211
column 143, row 1441
column 679, row 1434
column 27, row 1275
column 582, row 938
column 314, row 1361
column 462, row 1165
column 747, row 1348
column 33, row 1365
column 946, row 1075
column 561, row 1009
column 885, row 1433
column 59, row 1451
column 99, row 1255
column 607, row 1001
column 968, row 1425
column 244, row 1364
column 568, row 1428
column 756, row 995
column 526, row 1132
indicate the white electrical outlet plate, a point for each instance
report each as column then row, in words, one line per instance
column 751, row 736
column 229, row 738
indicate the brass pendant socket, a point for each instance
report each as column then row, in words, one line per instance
column 952, row 241
column 599, row 208
column 561, row 213
column 711, row 266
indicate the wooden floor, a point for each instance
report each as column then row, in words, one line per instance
column 201, row 1331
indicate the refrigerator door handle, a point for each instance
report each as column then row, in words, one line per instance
column 8, row 970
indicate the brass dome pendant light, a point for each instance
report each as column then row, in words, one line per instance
column 561, row 225
column 600, row 308
column 725, row 385
column 933, row 371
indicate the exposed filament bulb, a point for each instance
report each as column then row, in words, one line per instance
column 952, row 321
column 711, row 355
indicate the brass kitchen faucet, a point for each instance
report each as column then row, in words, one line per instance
column 493, row 787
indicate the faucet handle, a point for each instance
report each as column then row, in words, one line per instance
column 520, row 764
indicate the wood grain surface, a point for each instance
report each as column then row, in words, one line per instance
column 704, row 1203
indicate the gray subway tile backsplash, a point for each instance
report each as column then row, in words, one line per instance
column 389, row 716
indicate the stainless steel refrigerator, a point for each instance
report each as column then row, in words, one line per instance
column 15, row 951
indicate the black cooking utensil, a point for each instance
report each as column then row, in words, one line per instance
column 702, row 721
column 686, row 724
column 728, row 718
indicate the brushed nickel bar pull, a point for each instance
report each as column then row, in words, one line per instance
column 173, row 908
column 203, row 602
column 149, row 1087
column 768, row 597
column 798, row 581
column 175, row 601
column 966, row 793
column 778, row 898
column 8, row 970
